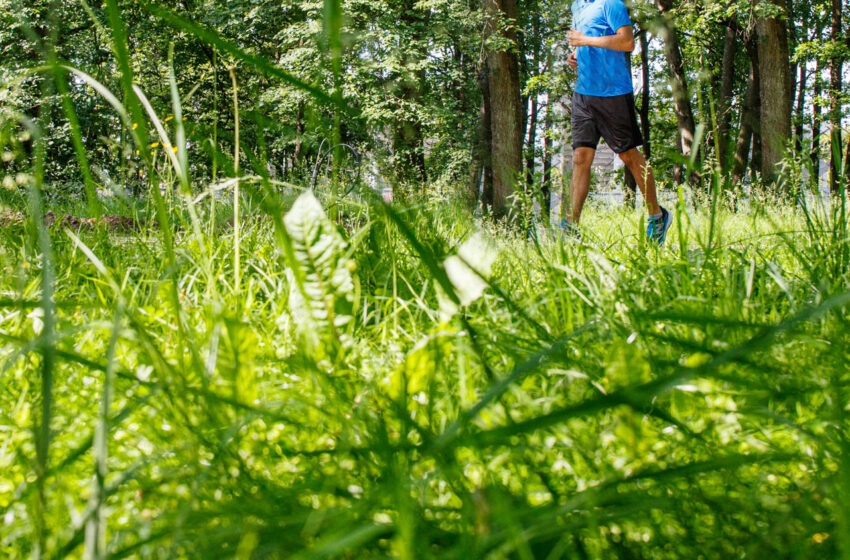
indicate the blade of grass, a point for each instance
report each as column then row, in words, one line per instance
column 502, row 385
column 237, row 277
column 333, row 27
column 45, row 344
column 139, row 128
column 640, row 396
column 95, row 533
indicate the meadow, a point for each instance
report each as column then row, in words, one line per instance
column 202, row 356
column 420, row 383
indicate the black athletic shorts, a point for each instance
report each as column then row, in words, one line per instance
column 612, row 118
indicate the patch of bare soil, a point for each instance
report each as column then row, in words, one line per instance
column 111, row 222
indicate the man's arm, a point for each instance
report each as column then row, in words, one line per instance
column 622, row 40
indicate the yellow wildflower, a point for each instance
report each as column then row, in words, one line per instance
column 820, row 537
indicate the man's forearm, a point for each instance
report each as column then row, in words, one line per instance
column 612, row 42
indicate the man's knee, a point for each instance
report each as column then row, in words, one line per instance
column 631, row 157
column 634, row 157
column 583, row 157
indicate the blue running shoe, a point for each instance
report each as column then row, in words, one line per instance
column 569, row 229
column 656, row 230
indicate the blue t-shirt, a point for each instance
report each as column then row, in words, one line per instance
column 601, row 72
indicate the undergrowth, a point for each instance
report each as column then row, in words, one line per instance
column 263, row 375
column 418, row 384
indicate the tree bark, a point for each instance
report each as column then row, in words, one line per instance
column 533, row 117
column 776, row 101
column 846, row 164
column 791, row 39
column 749, row 118
column 524, row 74
column 532, row 141
column 629, row 189
column 629, row 182
column 299, row 133
column 408, row 145
column 481, row 174
column 566, row 198
column 816, row 122
column 755, row 157
column 801, row 103
column 476, row 165
column 678, row 79
column 506, row 107
column 546, row 186
column 727, row 75
column 835, row 99
column 407, row 135
column 678, row 169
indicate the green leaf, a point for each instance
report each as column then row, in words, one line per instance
column 321, row 296
column 468, row 271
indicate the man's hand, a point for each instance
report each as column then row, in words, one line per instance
column 572, row 60
column 622, row 40
column 577, row 38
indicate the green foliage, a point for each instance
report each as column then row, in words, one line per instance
column 417, row 72
column 322, row 288
column 405, row 380
column 592, row 397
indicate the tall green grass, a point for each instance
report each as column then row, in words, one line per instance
column 637, row 404
column 334, row 377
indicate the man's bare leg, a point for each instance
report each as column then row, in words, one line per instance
column 644, row 178
column 580, row 184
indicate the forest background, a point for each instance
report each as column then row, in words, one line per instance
column 440, row 90
column 219, row 337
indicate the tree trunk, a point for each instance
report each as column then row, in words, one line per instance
column 776, row 101
column 481, row 174
column 816, row 122
column 846, row 164
column 476, row 165
column 546, row 186
column 629, row 182
column 791, row 40
column 835, row 99
column 408, row 145
column 678, row 170
column 532, row 141
column 407, row 136
column 506, row 108
column 727, row 76
column 524, row 98
column 678, row 79
column 755, row 158
column 565, row 205
column 801, row 103
column 629, row 189
column 533, row 117
column 749, row 118
column 299, row 133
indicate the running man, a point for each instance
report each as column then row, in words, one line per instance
column 604, row 106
